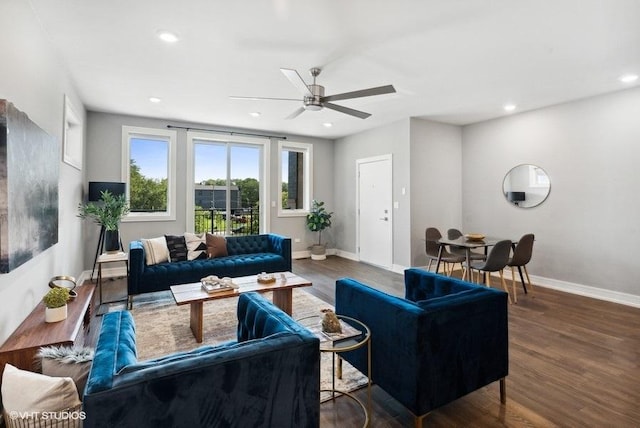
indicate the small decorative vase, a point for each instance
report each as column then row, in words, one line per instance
column 55, row 314
column 111, row 241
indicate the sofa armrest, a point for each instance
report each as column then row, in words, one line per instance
column 136, row 266
column 115, row 349
column 281, row 245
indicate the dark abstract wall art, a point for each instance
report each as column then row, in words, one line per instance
column 29, row 167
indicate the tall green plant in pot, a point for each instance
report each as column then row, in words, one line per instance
column 318, row 220
column 107, row 213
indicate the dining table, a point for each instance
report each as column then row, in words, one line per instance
column 470, row 244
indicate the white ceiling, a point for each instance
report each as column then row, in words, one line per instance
column 454, row 61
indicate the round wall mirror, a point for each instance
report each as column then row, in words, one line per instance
column 526, row 186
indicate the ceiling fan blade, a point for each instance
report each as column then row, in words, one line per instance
column 347, row 110
column 233, row 97
column 380, row 90
column 295, row 114
column 296, row 80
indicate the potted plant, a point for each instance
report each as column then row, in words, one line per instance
column 56, row 304
column 107, row 213
column 318, row 220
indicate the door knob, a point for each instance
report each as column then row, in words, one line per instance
column 384, row 218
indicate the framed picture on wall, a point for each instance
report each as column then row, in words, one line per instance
column 72, row 136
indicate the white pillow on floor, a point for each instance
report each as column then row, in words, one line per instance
column 24, row 391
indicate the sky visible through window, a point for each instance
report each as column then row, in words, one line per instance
column 210, row 160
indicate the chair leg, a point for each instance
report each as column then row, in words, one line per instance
column 429, row 265
column 417, row 420
column 503, row 391
column 504, row 285
column 526, row 273
column 486, row 276
column 513, row 283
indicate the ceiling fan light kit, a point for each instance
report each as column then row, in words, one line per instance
column 315, row 100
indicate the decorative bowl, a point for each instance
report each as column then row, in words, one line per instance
column 474, row 236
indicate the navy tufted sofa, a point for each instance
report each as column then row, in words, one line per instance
column 446, row 339
column 248, row 255
column 269, row 377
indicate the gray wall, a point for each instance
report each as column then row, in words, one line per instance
column 35, row 81
column 104, row 151
column 394, row 139
column 588, row 228
column 436, row 181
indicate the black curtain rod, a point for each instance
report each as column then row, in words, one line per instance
column 226, row 132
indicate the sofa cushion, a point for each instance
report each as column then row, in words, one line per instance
column 156, row 250
column 216, row 245
column 177, row 248
column 196, row 246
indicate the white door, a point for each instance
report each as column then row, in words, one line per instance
column 375, row 230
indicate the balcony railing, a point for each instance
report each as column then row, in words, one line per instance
column 242, row 221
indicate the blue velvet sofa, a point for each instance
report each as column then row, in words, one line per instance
column 446, row 339
column 248, row 255
column 270, row 377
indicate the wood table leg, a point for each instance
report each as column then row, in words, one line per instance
column 196, row 320
column 284, row 299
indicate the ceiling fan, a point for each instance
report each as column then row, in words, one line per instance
column 314, row 98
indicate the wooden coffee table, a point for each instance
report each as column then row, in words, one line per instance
column 194, row 295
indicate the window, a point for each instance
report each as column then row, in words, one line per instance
column 149, row 169
column 228, row 191
column 294, row 189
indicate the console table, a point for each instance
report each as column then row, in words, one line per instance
column 21, row 347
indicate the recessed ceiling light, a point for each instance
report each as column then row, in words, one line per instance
column 154, row 99
column 167, row 36
column 327, row 124
column 255, row 114
column 628, row 78
column 509, row 107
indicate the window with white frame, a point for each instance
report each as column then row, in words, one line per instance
column 149, row 169
column 295, row 162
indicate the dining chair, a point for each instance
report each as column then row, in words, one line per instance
column 496, row 261
column 432, row 248
column 521, row 256
column 454, row 249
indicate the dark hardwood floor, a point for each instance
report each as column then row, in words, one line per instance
column 573, row 361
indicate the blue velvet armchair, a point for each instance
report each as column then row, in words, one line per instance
column 269, row 377
column 446, row 339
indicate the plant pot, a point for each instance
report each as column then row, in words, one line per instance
column 111, row 241
column 318, row 252
column 55, row 314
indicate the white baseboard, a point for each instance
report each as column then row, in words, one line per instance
column 587, row 291
column 106, row 273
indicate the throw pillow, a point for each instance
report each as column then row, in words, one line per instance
column 196, row 246
column 67, row 361
column 24, row 391
column 177, row 248
column 216, row 245
column 156, row 250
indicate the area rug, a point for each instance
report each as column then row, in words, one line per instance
column 162, row 327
